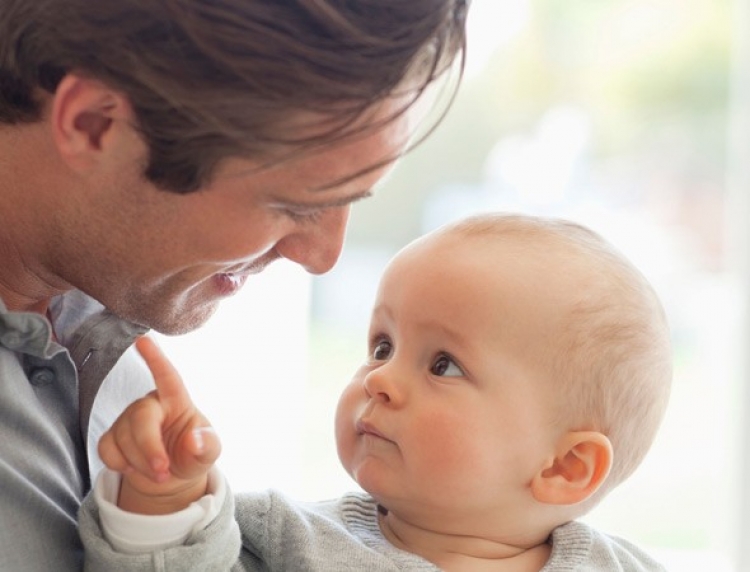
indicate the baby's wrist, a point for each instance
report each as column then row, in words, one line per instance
column 157, row 498
column 133, row 533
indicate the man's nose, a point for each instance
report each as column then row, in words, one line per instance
column 317, row 246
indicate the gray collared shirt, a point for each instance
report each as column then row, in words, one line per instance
column 57, row 396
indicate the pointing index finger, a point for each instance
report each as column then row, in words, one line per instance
column 169, row 384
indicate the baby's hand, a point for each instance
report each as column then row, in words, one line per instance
column 161, row 443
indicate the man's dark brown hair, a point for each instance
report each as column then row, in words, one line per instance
column 209, row 79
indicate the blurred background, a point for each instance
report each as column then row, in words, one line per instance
column 629, row 116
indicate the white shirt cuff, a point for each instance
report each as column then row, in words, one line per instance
column 132, row 533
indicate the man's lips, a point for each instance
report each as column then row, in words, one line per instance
column 230, row 281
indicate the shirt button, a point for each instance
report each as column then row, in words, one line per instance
column 11, row 340
column 42, row 376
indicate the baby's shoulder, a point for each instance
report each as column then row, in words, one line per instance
column 577, row 545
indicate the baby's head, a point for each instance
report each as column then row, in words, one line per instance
column 516, row 364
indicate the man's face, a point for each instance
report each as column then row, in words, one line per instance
column 165, row 260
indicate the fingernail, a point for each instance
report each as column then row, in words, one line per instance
column 198, row 434
column 198, row 438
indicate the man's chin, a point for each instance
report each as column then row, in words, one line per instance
column 181, row 322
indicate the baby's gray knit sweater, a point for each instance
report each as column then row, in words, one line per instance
column 340, row 535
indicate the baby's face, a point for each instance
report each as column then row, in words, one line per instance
column 450, row 415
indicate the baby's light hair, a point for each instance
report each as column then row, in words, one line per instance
column 612, row 368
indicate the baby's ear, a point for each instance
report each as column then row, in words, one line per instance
column 580, row 466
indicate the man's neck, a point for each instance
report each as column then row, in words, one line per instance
column 27, row 237
column 18, row 302
column 25, row 284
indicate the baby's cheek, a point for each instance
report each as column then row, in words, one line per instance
column 345, row 420
column 448, row 445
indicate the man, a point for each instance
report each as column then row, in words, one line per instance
column 153, row 155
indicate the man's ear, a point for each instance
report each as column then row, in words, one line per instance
column 580, row 466
column 86, row 116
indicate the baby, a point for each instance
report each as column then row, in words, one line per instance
column 518, row 369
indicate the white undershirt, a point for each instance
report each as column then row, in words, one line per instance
column 132, row 533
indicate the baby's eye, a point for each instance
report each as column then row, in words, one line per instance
column 444, row 366
column 382, row 350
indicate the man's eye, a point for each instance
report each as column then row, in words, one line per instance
column 304, row 216
column 382, row 350
column 444, row 366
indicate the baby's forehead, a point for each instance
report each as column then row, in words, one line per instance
column 500, row 244
column 529, row 241
column 575, row 266
column 537, row 247
column 504, row 272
